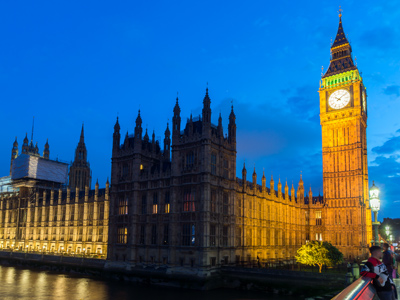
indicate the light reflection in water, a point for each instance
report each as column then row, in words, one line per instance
column 24, row 284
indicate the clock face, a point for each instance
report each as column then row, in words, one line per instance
column 364, row 101
column 339, row 99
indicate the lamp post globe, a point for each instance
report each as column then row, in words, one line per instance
column 375, row 204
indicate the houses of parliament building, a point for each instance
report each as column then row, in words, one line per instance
column 180, row 204
column 40, row 213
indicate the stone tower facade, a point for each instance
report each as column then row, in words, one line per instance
column 80, row 175
column 347, row 216
column 183, row 206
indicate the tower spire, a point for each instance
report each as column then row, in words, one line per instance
column 33, row 126
column 82, row 138
column 341, row 58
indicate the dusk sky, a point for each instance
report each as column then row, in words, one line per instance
column 71, row 62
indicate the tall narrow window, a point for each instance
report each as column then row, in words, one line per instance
column 189, row 160
column 122, row 235
column 186, row 235
column 318, row 217
column 155, row 203
column 213, row 202
column 225, row 207
column 226, row 169
column 167, row 204
column 123, row 206
column 142, row 234
column 166, row 235
column 101, row 211
column 154, row 234
column 225, row 236
column 239, row 236
column 212, row 235
column 213, row 164
column 193, row 235
column 125, row 171
column 189, row 200
column 144, row 205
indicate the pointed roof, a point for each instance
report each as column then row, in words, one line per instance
column 341, row 58
column 207, row 100
column 82, row 138
column 232, row 116
column 116, row 126
column 177, row 109
column 167, row 132
column 146, row 136
column 340, row 35
column 138, row 120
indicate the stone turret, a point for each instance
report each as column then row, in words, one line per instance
column 46, row 151
column 244, row 176
column 167, row 144
column 116, row 137
column 272, row 186
column 254, row 179
column 176, row 123
column 263, row 182
column 232, row 127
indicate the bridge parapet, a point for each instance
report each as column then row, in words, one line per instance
column 361, row 289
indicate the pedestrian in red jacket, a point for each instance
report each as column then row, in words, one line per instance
column 376, row 270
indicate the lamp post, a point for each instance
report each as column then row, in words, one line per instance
column 375, row 204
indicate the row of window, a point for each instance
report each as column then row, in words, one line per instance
column 44, row 216
column 189, row 203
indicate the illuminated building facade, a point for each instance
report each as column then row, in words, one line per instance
column 37, row 212
column 43, row 219
column 343, row 107
column 184, row 206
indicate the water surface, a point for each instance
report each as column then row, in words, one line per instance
column 24, row 284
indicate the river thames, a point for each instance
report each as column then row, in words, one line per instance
column 19, row 283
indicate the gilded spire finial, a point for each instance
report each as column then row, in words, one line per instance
column 340, row 11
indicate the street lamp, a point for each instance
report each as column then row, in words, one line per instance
column 375, row 204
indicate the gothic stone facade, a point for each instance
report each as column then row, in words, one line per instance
column 41, row 218
column 38, row 215
column 185, row 206
column 343, row 115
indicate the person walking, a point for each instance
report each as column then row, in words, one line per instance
column 388, row 259
column 378, row 272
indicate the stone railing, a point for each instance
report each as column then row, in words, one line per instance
column 361, row 289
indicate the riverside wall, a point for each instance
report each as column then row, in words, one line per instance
column 268, row 280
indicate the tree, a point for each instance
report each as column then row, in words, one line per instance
column 320, row 254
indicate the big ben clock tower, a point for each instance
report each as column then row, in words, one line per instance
column 343, row 112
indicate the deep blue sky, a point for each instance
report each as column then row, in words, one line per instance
column 68, row 62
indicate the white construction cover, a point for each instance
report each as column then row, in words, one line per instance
column 34, row 167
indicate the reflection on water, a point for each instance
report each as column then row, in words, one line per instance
column 16, row 283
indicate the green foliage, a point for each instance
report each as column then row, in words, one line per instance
column 320, row 254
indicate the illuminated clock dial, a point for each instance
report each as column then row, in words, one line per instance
column 364, row 101
column 339, row 99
